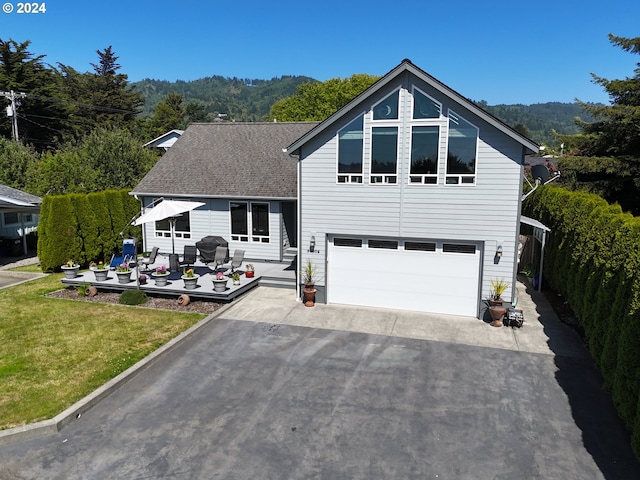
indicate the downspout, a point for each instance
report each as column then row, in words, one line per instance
column 298, row 220
column 544, row 241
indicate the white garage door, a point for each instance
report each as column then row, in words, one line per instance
column 428, row 276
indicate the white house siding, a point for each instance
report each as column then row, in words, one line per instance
column 485, row 212
column 214, row 219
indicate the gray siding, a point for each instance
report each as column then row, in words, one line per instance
column 214, row 219
column 485, row 212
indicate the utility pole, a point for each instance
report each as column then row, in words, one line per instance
column 12, row 111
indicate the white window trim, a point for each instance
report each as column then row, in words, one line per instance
column 385, row 178
column 460, row 177
column 350, row 178
column 250, row 237
column 424, row 176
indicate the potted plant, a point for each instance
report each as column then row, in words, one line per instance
column 250, row 270
column 496, row 307
column 161, row 275
column 143, row 279
column 190, row 279
column 123, row 271
column 236, row 278
column 70, row 269
column 101, row 271
column 308, row 279
column 498, row 287
column 531, row 272
column 220, row 282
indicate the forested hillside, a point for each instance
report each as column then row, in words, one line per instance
column 540, row 119
column 249, row 100
column 240, row 99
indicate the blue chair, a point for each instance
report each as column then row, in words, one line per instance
column 128, row 253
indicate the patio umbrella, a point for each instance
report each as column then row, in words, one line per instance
column 170, row 209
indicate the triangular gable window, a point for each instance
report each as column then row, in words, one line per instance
column 387, row 109
column 424, row 106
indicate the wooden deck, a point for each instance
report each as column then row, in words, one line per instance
column 266, row 273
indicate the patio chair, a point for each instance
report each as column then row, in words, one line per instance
column 236, row 260
column 219, row 259
column 189, row 256
column 128, row 253
column 146, row 262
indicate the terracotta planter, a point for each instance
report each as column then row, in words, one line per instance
column 184, row 300
column 91, row 291
column 309, row 296
column 497, row 312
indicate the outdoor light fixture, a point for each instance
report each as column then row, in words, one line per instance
column 499, row 251
column 312, row 243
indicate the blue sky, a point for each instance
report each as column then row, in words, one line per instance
column 498, row 51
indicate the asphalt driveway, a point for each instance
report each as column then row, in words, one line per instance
column 243, row 399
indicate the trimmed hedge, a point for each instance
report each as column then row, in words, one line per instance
column 83, row 227
column 593, row 259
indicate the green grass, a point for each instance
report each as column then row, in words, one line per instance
column 53, row 352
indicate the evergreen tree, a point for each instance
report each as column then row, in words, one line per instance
column 167, row 115
column 43, row 110
column 104, row 98
column 607, row 152
column 616, row 130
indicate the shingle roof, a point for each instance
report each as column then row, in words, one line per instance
column 229, row 160
column 12, row 197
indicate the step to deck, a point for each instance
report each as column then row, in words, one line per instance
column 278, row 282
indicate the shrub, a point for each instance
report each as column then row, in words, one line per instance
column 133, row 297
column 593, row 259
column 83, row 226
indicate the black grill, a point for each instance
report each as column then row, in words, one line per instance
column 207, row 247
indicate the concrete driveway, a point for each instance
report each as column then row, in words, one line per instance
column 273, row 390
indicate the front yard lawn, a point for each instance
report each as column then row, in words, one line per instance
column 53, row 352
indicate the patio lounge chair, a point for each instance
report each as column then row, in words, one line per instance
column 128, row 253
column 150, row 259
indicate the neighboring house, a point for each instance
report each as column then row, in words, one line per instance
column 166, row 140
column 240, row 172
column 19, row 215
column 409, row 198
